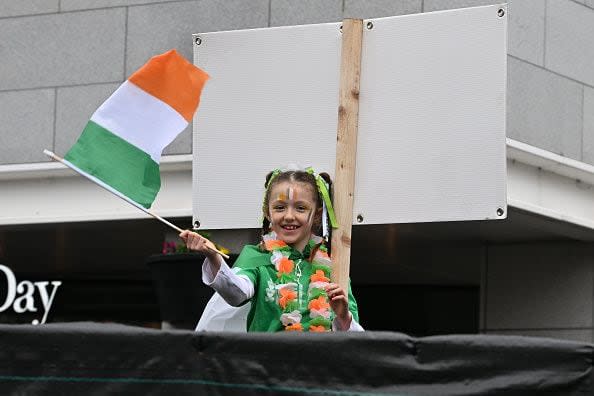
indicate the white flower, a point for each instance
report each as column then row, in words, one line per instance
column 318, row 259
column 290, row 318
column 317, row 285
column 271, row 236
column 317, row 239
column 275, row 258
column 270, row 291
column 324, row 313
column 291, row 286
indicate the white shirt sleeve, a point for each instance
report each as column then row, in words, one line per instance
column 353, row 327
column 235, row 289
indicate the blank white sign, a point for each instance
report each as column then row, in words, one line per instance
column 431, row 143
column 271, row 101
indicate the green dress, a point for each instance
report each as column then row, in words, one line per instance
column 265, row 311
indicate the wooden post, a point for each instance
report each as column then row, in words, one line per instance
column 346, row 148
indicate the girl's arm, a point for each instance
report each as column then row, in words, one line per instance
column 339, row 303
column 353, row 326
column 235, row 289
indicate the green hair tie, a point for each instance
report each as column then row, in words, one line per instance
column 323, row 189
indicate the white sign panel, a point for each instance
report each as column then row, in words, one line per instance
column 431, row 143
column 270, row 101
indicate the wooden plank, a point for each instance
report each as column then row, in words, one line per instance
column 346, row 148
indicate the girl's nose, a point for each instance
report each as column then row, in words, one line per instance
column 290, row 213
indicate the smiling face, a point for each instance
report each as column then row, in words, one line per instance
column 291, row 212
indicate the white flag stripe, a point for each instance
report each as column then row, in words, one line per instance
column 141, row 119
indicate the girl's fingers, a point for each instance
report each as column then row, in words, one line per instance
column 198, row 242
column 191, row 239
column 334, row 290
column 205, row 243
column 210, row 244
column 336, row 294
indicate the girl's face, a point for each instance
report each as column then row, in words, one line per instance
column 291, row 212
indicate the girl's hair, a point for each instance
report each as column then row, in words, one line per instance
column 301, row 177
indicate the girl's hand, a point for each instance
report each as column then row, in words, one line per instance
column 340, row 305
column 197, row 243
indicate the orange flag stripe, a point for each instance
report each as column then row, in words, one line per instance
column 172, row 79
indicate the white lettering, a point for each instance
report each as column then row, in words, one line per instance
column 26, row 291
column 26, row 287
column 10, row 289
column 47, row 302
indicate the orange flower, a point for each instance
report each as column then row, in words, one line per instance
column 285, row 266
column 319, row 276
column 294, row 327
column 317, row 329
column 287, row 295
column 272, row 244
column 319, row 304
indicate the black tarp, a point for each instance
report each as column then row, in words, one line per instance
column 100, row 359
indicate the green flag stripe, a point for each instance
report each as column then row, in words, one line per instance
column 118, row 163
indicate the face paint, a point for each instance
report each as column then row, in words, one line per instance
column 292, row 218
column 309, row 217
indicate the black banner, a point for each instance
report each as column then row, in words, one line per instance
column 96, row 359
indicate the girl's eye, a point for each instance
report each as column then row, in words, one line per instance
column 278, row 207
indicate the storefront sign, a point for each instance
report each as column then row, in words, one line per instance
column 21, row 295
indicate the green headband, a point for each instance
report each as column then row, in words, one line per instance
column 275, row 173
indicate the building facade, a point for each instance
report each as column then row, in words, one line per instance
column 531, row 274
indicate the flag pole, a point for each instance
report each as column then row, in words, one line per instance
column 119, row 194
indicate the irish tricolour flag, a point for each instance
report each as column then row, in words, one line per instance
column 122, row 143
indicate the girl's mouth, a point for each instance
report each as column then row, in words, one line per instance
column 290, row 227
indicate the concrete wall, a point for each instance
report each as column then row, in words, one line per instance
column 539, row 289
column 62, row 58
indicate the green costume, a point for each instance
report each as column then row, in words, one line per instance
column 255, row 263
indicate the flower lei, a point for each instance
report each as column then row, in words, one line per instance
column 288, row 286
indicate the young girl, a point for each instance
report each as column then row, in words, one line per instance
column 287, row 276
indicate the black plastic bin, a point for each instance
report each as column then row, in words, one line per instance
column 178, row 282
